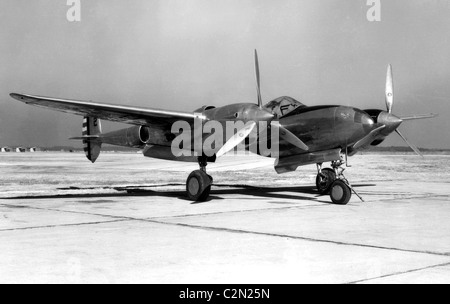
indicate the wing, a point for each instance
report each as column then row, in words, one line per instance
column 117, row 113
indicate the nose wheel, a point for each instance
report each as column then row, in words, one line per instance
column 198, row 184
column 333, row 182
column 340, row 192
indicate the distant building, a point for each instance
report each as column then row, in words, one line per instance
column 34, row 149
column 5, row 150
column 20, row 150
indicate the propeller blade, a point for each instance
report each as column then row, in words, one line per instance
column 289, row 136
column 370, row 138
column 239, row 137
column 409, row 144
column 389, row 89
column 416, row 117
column 258, row 80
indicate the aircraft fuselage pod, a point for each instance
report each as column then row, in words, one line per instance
column 326, row 127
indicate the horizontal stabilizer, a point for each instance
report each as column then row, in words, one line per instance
column 87, row 137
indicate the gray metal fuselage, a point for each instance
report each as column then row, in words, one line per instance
column 325, row 127
column 321, row 128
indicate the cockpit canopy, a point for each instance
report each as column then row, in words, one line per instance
column 283, row 106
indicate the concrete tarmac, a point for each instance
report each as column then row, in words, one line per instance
column 126, row 219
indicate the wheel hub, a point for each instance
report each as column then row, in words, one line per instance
column 194, row 186
column 337, row 192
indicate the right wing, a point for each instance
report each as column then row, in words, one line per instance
column 125, row 114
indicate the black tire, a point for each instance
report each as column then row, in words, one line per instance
column 198, row 186
column 340, row 193
column 325, row 180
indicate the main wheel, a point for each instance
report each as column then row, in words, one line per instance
column 325, row 180
column 340, row 193
column 198, row 186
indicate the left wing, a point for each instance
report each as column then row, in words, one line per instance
column 118, row 113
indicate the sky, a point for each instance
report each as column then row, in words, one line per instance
column 183, row 54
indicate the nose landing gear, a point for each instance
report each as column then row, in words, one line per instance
column 333, row 182
column 198, row 184
column 340, row 192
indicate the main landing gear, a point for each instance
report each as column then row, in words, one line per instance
column 333, row 182
column 198, row 184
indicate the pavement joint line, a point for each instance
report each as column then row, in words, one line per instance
column 233, row 211
column 63, row 225
column 298, row 238
column 160, row 217
column 238, row 231
column 399, row 273
column 407, row 198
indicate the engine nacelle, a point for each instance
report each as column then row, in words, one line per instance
column 134, row 137
column 144, row 134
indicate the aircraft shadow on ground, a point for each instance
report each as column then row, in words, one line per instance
column 217, row 192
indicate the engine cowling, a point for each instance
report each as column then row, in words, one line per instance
column 375, row 115
column 134, row 137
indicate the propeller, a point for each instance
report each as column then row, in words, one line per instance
column 389, row 89
column 284, row 133
column 239, row 137
column 417, row 117
column 388, row 121
column 258, row 81
column 409, row 144
column 260, row 114
column 370, row 138
column 289, row 136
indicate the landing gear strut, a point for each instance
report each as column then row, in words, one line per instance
column 198, row 184
column 333, row 182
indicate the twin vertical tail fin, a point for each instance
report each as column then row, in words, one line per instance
column 92, row 129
